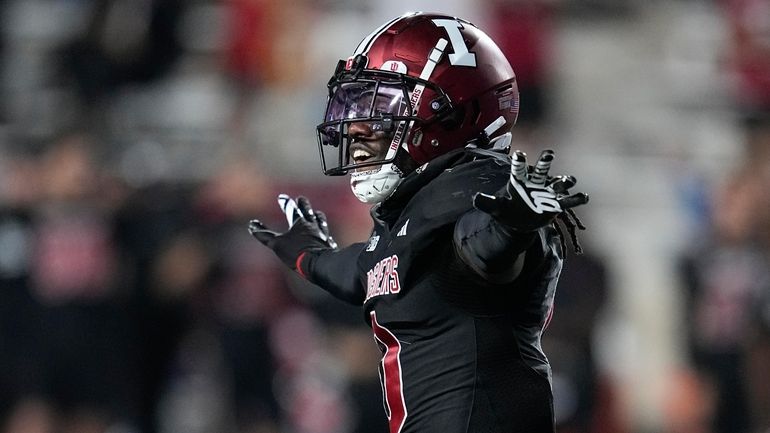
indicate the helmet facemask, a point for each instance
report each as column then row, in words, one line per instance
column 384, row 104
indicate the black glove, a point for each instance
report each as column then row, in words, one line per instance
column 308, row 231
column 531, row 199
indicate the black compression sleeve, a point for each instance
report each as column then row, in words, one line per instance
column 335, row 272
column 493, row 250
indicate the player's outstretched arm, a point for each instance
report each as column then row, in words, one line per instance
column 308, row 248
column 531, row 199
column 492, row 239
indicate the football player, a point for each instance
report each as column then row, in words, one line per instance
column 457, row 279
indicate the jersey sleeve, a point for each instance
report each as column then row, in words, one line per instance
column 336, row 272
column 494, row 251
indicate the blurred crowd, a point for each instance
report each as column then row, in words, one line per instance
column 138, row 137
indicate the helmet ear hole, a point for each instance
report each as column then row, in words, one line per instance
column 462, row 115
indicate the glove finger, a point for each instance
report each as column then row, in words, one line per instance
column 323, row 225
column 573, row 200
column 256, row 225
column 289, row 208
column 562, row 184
column 540, row 173
column 260, row 232
column 519, row 166
column 306, row 209
column 486, row 203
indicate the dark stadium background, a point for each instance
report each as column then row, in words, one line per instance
column 138, row 137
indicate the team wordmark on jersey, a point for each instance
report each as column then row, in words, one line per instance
column 382, row 279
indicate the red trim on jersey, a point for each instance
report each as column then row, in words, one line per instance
column 298, row 263
column 392, row 382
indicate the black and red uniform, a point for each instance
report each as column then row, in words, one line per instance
column 457, row 302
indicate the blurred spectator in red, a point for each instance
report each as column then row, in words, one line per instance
column 247, row 56
column 248, row 44
column 688, row 403
column 748, row 51
column 524, row 31
column 85, row 346
column 263, row 49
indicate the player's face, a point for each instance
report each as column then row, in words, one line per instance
column 368, row 143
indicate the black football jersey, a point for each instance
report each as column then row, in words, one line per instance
column 460, row 353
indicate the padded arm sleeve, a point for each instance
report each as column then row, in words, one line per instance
column 335, row 272
column 496, row 252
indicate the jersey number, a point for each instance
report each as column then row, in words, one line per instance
column 390, row 375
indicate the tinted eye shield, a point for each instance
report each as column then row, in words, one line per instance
column 381, row 100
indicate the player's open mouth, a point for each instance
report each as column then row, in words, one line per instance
column 361, row 155
column 364, row 151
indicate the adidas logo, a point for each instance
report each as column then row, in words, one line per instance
column 402, row 232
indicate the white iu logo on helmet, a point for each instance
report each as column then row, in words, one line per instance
column 461, row 55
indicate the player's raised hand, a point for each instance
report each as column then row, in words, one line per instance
column 308, row 231
column 531, row 199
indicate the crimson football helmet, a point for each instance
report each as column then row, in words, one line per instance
column 431, row 83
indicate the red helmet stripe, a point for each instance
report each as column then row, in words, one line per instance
column 364, row 45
